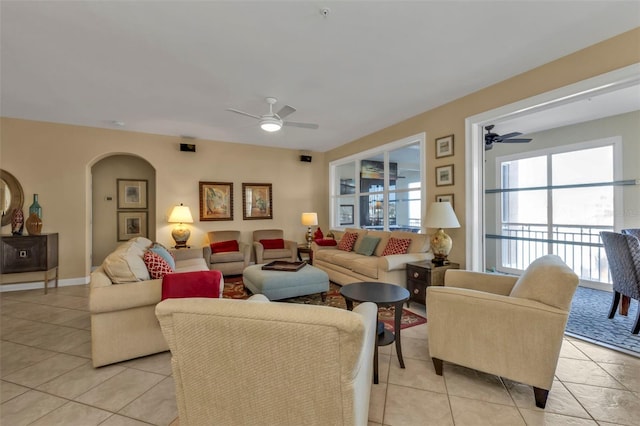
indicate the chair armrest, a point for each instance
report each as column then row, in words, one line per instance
column 206, row 253
column 259, row 249
column 245, row 249
column 482, row 281
column 293, row 246
column 399, row 261
column 186, row 253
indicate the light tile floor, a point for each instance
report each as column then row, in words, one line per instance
column 47, row 379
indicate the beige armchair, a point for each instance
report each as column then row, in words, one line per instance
column 289, row 364
column 503, row 325
column 228, row 262
column 266, row 255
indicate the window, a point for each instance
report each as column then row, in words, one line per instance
column 380, row 189
column 556, row 201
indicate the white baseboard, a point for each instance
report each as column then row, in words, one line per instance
column 40, row 284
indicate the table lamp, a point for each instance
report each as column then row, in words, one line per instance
column 441, row 215
column 180, row 215
column 309, row 219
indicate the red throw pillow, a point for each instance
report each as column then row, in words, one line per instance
column 224, row 246
column 156, row 265
column 275, row 243
column 347, row 241
column 396, row 246
column 191, row 284
column 326, row 242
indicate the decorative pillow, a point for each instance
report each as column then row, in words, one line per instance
column 161, row 250
column 125, row 264
column 192, row 284
column 157, row 266
column 347, row 241
column 368, row 245
column 396, row 246
column 225, row 246
column 275, row 243
column 326, row 242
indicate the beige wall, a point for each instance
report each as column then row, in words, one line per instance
column 55, row 161
column 609, row 55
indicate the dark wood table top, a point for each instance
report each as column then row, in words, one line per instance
column 374, row 292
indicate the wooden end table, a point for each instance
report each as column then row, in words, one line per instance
column 382, row 294
column 421, row 275
column 307, row 250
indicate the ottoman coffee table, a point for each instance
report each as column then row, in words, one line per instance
column 278, row 285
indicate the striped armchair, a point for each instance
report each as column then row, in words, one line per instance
column 623, row 254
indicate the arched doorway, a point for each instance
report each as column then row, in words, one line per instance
column 109, row 218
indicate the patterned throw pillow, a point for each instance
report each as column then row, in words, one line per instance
column 348, row 241
column 396, row 246
column 156, row 265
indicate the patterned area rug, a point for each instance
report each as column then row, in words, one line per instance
column 588, row 321
column 234, row 289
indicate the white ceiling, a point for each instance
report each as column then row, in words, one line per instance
column 174, row 67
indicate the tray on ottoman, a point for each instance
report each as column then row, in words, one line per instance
column 282, row 265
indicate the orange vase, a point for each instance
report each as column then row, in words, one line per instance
column 34, row 224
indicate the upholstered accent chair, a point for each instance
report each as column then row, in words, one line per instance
column 255, row 362
column 228, row 261
column 623, row 255
column 504, row 325
column 268, row 247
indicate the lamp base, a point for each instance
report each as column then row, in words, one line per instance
column 181, row 235
column 309, row 237
column 439, row 260
column 441, row 246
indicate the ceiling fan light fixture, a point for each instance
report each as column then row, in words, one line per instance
column 270, row 124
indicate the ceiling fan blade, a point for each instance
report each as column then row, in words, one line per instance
column 285, row 111
column 516, row 141
column 510, row 135
column 243, row 113
column 303, row 125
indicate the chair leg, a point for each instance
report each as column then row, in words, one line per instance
column 541, row 396
column 636, row 328
column 437, row 365
column 614, row 304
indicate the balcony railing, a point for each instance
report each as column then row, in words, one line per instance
column 578, row 246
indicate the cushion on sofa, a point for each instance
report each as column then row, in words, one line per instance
column 226, row 257
column 157, row 266
column 384, row 238
column 326, row 242
column 368, row 245
column 224, row 246
column 545, row 280
column 162, row 251
column 360, row 233
column 273, row 244
column 419, row 242
column 348, row 241
column 396, row 246
column 191, row 284
column 125, row 264
column 142, row 242
column 367, row 266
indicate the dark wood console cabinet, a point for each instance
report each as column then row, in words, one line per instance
column 30, row 253
column 421, row 275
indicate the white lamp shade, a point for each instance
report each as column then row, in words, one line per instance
column 180, row 214
column 309, row 219
column 441, row 215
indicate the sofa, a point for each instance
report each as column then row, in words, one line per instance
column 345, row 267
column 238, row 362
column 123, row 299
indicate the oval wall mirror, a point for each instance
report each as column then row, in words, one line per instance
column 11, row 195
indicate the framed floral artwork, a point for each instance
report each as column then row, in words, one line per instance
column 257, row 201
column 216, row 201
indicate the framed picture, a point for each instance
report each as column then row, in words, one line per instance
column 216, row 201
column 131, row 224
column 257, row 201
column 444, row 146
column 132, row 194
column 445, row 197
column 346, row 214
column 444, row 175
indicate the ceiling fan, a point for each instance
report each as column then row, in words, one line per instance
column 491, row 138
column 272, row 122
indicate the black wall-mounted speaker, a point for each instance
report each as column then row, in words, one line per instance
column 187, row 147
column 305, row 158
